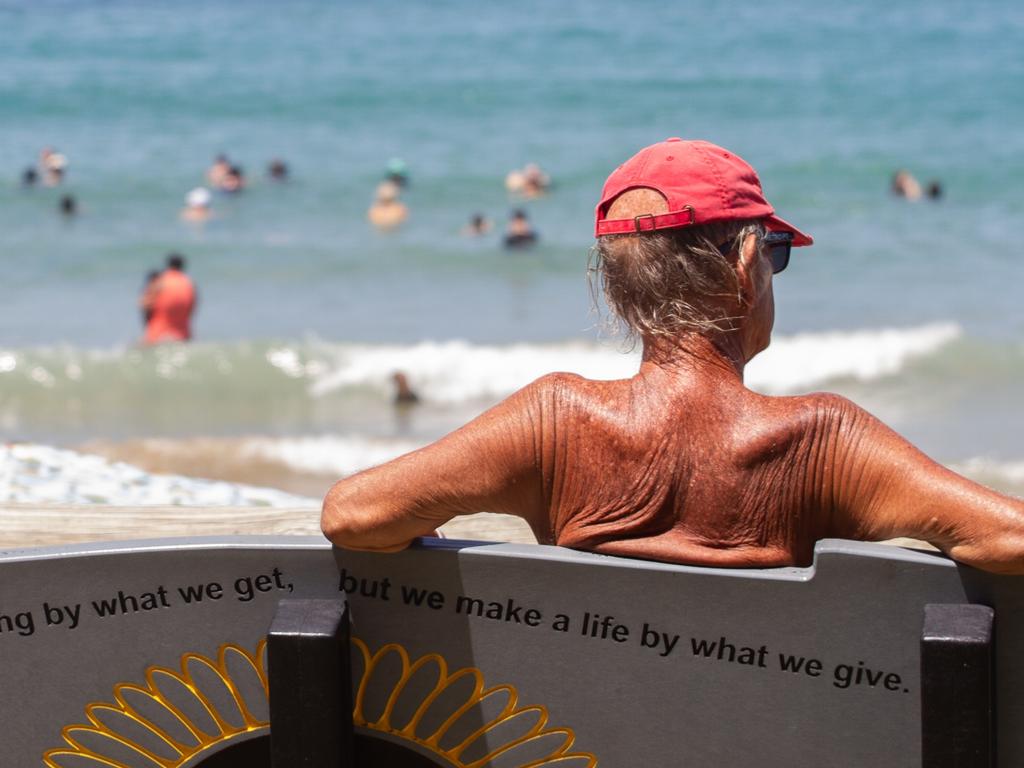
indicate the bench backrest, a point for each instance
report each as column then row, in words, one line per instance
column 468, row 654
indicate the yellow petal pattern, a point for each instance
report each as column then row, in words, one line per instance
column 180, row 720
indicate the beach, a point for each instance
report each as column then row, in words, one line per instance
column 910, row 308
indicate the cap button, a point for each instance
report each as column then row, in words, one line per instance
column 673, row 138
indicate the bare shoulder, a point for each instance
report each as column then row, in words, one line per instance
column 567, row 387
column 574, row 382
column 809, row 424
column 559, row 381
column 816, row 411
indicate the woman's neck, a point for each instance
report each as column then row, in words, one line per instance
column 696, row 352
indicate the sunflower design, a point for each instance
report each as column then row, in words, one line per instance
column 454, row 716
column 175, row 717
column 184, row 718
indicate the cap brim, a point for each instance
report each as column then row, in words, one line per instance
column 776, row 224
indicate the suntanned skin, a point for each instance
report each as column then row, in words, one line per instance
column 682, row 463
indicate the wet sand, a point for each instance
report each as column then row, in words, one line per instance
column 211, row 458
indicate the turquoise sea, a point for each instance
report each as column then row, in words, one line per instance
column 913, row 309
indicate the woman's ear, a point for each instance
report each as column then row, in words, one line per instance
column 748, row 270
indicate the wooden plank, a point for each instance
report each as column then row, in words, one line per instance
column 33, row 525
column 44, row 525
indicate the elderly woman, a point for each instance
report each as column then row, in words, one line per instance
column 682, row 462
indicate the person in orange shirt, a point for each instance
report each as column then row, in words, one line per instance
column 169, row 302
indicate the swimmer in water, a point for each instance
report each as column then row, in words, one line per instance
column 905, row 185
column 218, row 171
column 29, row 177
column 478, row 225
column 277, row 170
column 536, row 182
column 197, row 206
column 68, row 206
column 171, row 304
column 934, row 190
column 404, row 394
column 234, row 181
column 387, row 211
column 53, row 166
column 529, row 182
column 519, row 233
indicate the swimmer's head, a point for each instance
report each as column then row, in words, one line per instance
column 29, row 177
column 198, row 198
column 277, row 169
column 532, row 171
column 387, row 192
column 176, row 261
column 68, row 205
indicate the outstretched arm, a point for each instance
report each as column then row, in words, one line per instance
column 492, row 464
column 883, row 487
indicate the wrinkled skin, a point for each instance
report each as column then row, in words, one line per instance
column 683, row 463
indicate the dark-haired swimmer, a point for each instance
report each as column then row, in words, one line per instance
column 171, row 300
column 404, row 394
column 519, row 233
column 277, row 170
column 234, row 180
column 478, row 225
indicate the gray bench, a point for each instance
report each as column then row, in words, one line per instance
column 153, row 653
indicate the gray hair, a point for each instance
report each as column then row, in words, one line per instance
column 671, row 281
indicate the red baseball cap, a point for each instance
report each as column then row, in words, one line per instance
column 701, row 182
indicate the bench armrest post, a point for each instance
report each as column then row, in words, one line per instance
column 957, row 706
column 310, row 685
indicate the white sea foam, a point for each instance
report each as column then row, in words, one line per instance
column 45, row 475
column 456, row 371
column 443, row 372
column 793, row 363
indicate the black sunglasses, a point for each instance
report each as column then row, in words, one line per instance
column 778, row 244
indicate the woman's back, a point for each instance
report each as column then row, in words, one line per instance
column 661, row 470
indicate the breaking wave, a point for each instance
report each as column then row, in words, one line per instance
column 315, row 386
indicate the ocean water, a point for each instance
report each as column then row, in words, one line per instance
column 913, row 309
